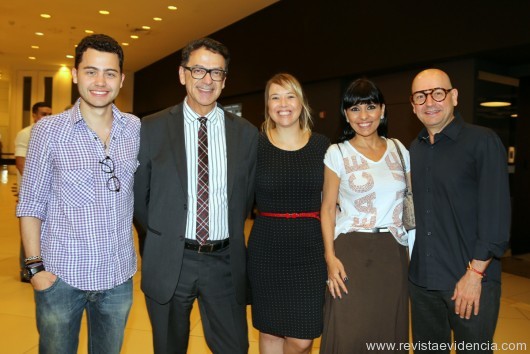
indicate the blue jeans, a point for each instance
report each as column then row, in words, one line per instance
column 60, row 309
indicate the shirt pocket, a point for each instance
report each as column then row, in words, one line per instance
column 126, row 170
column 78, row 187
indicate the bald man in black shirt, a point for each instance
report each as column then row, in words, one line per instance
column 462, row 205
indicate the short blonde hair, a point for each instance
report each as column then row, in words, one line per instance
column 287, row 81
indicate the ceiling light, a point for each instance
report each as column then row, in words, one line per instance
column 171, row 7
column 134, row 36
column 69, row 56
column 104, row 12
column 32, row 58
column 89, row 31
column 125, row 44
column 514, row 115
column 146, row 27
column 34, row 47
column 45, row 16
column 157, row 19
column 39, row 33
column 495, row 104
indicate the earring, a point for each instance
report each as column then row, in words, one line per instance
column 382, row 117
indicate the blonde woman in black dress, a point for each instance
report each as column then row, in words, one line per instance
column 286, row 264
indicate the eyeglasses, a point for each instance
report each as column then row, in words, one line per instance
column 107, row 166
column 438, row 94
column 198, row 73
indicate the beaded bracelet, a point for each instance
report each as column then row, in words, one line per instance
column 470, row 267
column 32, row 258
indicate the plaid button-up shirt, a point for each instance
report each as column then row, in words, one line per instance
column 86, row 233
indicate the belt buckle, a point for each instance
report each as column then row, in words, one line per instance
column 205, row 246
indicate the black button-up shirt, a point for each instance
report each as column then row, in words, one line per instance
column 461, row 202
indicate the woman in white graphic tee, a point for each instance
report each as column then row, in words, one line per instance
column 364, row 238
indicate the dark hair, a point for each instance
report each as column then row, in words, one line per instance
column 361, row 91
column 36, row 106
column 211, row 44
column 99, row 42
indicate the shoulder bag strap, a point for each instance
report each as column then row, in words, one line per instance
column 402, row 164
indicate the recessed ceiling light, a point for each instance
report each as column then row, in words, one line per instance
column 146, row 27
column 69, row 56
column 34, row 47
column 134, row 36
column 32, row 58
column 39, row 33
column 89, row 31
column 514, row 115
column 125, row 44
column 45, row 16
column 104, row 12
column 157, row 19
column 171, row 7
column 495, row 104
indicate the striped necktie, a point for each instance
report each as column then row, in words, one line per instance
column 202, row 184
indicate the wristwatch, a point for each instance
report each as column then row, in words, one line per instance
column 29, row 272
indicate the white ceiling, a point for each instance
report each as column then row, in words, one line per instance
column 20, row 19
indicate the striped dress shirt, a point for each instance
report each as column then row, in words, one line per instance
column 217, row 170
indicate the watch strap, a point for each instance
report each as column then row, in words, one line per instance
column 31, row 271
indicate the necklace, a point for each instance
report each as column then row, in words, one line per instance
column 106, row 139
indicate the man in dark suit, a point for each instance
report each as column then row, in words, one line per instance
column 193, row 190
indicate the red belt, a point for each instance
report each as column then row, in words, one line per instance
column 312, row 214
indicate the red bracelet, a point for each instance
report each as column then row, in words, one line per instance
column 470, row 267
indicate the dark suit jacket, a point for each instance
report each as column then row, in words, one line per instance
column 161, row 198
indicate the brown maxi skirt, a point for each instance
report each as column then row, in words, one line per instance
column 375, row 310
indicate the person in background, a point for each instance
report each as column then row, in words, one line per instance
column 364, row 237
column 193, row 191
column 286, row 265
column 76, row 208
column 38, row 111
column 462, row 203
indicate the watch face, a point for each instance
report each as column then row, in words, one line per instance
column 26, row 274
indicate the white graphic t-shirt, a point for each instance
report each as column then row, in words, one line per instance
column 370, row 192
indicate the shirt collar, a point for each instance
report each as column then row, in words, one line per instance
column 77, row 117
column 451, row 130
column 191, row 116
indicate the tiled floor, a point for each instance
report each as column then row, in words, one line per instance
column 18, row 333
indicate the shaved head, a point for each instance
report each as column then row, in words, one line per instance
column 431, row 75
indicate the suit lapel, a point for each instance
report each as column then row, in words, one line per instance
column 177, row 142
column 231, row 150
